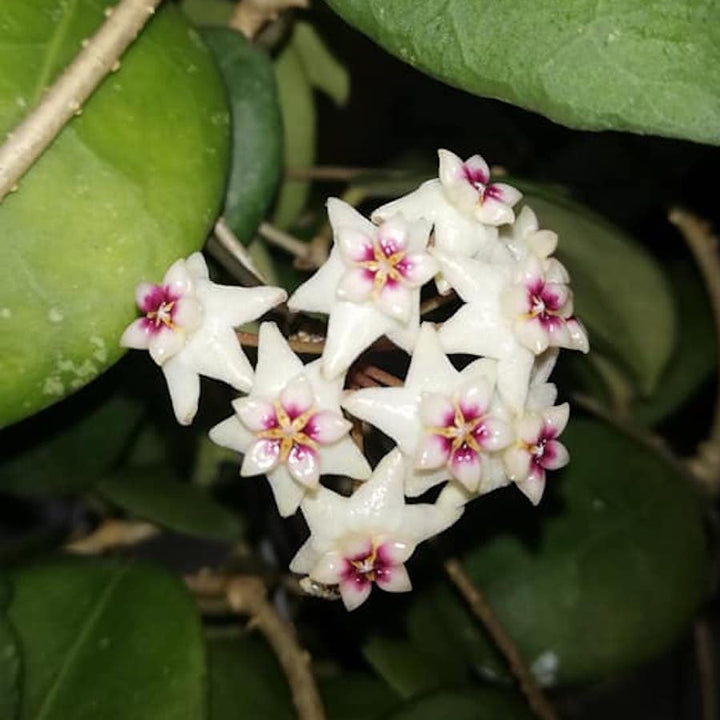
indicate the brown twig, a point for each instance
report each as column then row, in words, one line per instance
column 704, row 247
column 99, row 56
column 112, row 534
column 300, row 346
column 482, row 610
column 247, row 595
column 436, row 302
column 705, row 654
column 250, row 16
column 229, row 242
column 380, row 376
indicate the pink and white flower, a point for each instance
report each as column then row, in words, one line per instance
column 188, row 326
column 460, row 432
column 467, row 185
column 446, row 421
column 369, row 286
column 366, row 538
column 540, row 304
column 524, row 237
column 171, row 314
column 381, row 269
column 290, row 428
column 536, row 450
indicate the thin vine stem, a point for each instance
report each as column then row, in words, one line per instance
column 480, row 607
column 99, row 56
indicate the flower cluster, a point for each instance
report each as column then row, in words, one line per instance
column 491, row 424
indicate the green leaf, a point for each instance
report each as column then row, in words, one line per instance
column 693, row 358
column 604, row 575
column 208, row 12
column 67, row 448
column 465, row 704
column 623, row 65
column 257, row 133
column 621, row 294
column 110, row 640
column 152, row 495
column 323, row 69
column 126, row 188
column 405, row 669
column 357, row 696
column 246, row 681
column 10, row 670
column 298, row 113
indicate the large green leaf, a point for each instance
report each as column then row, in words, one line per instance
column 604, row 575
column 622, row 64
column 246, row 682
column 357, row 696
column 10, row 660
column 257, row 133
column 621, row 294
column 298, row 112
column 67, row 448
column 110, row 640
column 150, row 494
column 128, row 186
column 465, row 704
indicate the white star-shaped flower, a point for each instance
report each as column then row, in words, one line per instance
column 369, row 286
column 463, row 206
column 366, row 538
column 290, row 428
column 188, row 328
column 524, row 237
column 446, row 422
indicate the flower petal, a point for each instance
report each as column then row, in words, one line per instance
column 261, row 457
column 355, row 246
column 533, row 487
column 517, row 463
column 188, row 313
column 433, row 452
column 393, row 579
column 493, row 434
column 297, row 396
column 165, row 344
column 136, row 335
column 494, row 212
column 531, row 333
column 555, row 455
column 473, row 397
column 436, row 410
column 327, row 427
column 556, row 418
column 356, row 285
column 392, row 235
column 578, row 335
column 504, row 193
column 477, row 170
column 451, row 168
column 394, row 552
column 417, row 269
column 542, row 243
column 395, row 300
column 329, row 568
column 465, row 467
column 303, row 464
column 255, row 413
column 177, row 279
column 149, row 297
column 354, row 592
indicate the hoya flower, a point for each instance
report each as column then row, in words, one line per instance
column 536, row 450
column 366, row 538
column 445, row 421
column 540, row 305
column 369, row 286
column 290, row 428
column 463, row 206
column 524, row 237
column 187, row 326
column 512, row 313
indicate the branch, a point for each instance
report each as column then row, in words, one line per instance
column 705, row 656
column 480, row 608
column 225, row 238
column 112, row 535
column 247, row 595
column 99, row 56
column 250, row 16
column 704, row 247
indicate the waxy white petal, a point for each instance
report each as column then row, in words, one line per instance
column 395, row 579
column 260, row 458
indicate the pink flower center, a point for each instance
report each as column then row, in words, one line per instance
column 290, row 429
column 159, row 306
column 367, row 567
column 544, row 304
column 464, row 429
column 387, row 265
column 539, row 450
